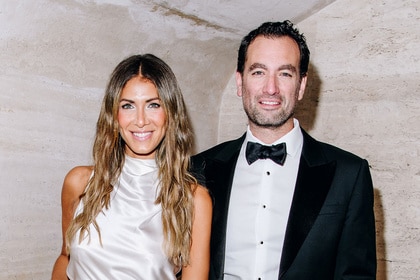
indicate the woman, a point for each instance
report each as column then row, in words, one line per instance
column 137, row 213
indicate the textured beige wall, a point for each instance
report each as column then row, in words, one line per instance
column 364, row 96
column 56, row 57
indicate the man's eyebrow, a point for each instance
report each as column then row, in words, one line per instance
column 257, row 65
column 263, row 66
column 288, row 67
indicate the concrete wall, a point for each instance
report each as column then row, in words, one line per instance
column 364, row 96
column 56, row 57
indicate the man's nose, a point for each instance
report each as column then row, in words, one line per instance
column 271, row 85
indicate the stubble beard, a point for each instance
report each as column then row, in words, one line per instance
column 271, row 120
column 259, row 119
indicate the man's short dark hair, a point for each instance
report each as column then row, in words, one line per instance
column 273, row 30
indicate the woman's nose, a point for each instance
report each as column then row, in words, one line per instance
column 141, row 118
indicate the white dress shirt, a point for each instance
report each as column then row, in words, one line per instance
column 259, row 209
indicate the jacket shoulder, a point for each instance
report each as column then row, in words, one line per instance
column 218, row 156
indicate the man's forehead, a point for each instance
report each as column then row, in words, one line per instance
column 282, row 50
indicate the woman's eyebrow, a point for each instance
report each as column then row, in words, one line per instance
column 132, row 101
column 126, row 100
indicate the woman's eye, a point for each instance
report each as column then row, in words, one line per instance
column 154, row 105
column 127, row 106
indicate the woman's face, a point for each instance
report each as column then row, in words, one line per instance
column 141, row 118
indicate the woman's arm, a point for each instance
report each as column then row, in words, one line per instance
column 198, row 269
column 73, row 186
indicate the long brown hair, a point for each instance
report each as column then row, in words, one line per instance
column 172, row 157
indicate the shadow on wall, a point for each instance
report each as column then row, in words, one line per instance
column 380, row 239
column 308, row 106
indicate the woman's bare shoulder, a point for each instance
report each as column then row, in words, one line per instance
column 76, row 181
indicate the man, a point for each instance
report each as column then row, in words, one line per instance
column 302, row 210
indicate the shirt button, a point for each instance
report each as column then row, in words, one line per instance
column 268, row 173
column 261, row 242
column 264, row 206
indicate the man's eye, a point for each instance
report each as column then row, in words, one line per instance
column 285, row 74
column 257, row 73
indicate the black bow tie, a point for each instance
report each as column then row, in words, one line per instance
column 276, row 153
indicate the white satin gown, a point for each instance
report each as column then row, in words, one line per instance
column 131, row 230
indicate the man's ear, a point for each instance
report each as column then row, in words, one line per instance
column 302, row 87
column 238, row 77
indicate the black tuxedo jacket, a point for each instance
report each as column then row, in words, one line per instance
column 330, row 232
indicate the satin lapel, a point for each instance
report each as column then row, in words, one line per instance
column 219, row 176
column 312, row 185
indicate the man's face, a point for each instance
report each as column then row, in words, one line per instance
column 271, row 86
